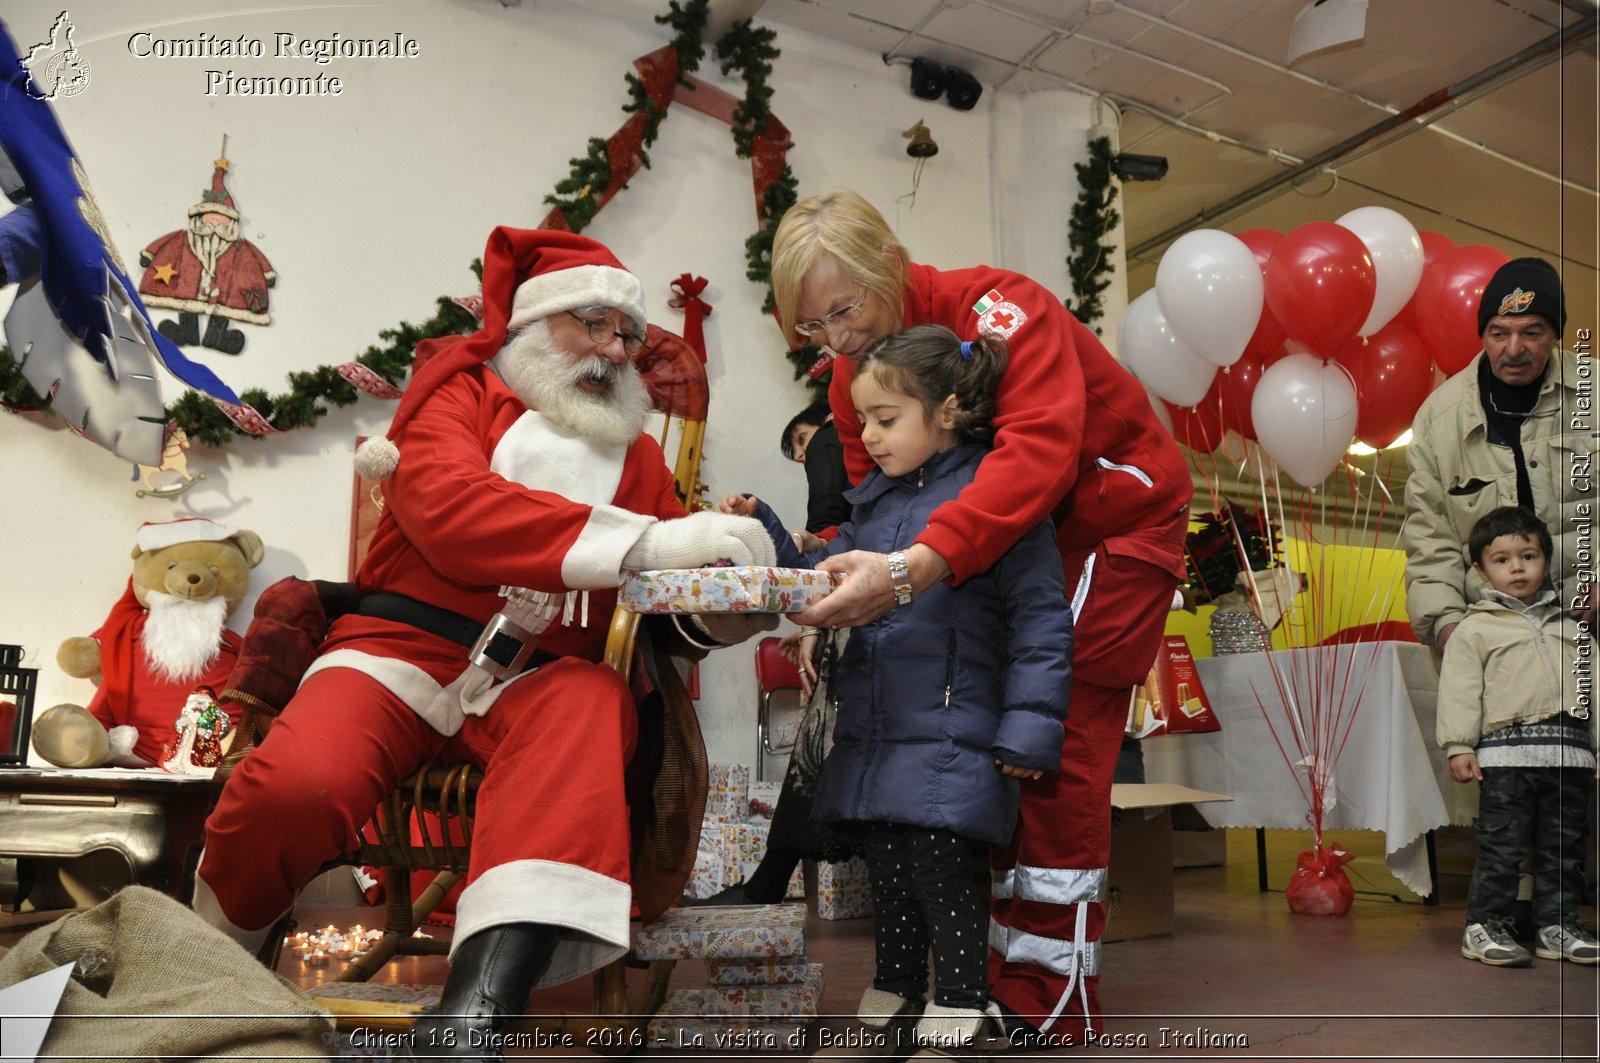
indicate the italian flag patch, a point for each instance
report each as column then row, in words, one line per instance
column 989, row 298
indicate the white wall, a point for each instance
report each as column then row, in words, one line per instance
column 373, row 203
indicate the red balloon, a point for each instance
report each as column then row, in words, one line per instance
column 1320, row 283
column 1393, row 373
column 1199, row 427
column 1238, row 384
column 1433, row 245
column 1269, row 334
column 1447, row 303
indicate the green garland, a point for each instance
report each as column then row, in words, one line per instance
column 744, row 47
column 1092, row 218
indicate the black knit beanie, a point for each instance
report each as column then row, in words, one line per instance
column 1524, row 286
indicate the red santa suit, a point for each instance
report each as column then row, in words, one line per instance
column 486, row 493
column 133, row 692
column 1075, row 440
column 237, row 290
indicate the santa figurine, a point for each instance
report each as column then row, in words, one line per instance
column 197, row 745
column 207, row 268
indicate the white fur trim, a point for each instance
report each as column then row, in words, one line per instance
column 594, row 561
column 538, row 455
column 159, row 534
column 570, row 289
column 377, row 458
column 593, row 908
column 207, row 907
column 440, row 707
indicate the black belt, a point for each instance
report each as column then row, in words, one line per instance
column 462, row 630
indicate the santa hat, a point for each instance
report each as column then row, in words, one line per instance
column 1524, row 286
column 528, row 274
column 157, row 535
column 219, row 200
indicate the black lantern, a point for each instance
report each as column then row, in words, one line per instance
column 16, row 706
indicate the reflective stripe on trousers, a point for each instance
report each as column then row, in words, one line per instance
column 1077, row 959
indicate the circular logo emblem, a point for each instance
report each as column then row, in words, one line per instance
column 1003, row 319
column 67, row 74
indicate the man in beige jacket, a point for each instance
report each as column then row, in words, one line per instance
column 1515, row 427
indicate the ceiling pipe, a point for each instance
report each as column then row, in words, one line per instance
column 1504, row 71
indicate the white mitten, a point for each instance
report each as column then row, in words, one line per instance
column 699, row 539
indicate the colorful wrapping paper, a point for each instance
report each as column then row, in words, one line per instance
column 757, row 972
column 728, row 854
column 844, row 890
column 725, row 933
column 794, row 1000
column 728, row 792
column 736, row 589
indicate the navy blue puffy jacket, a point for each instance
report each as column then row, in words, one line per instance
column 930, row 694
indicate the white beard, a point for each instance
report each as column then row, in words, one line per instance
column 181, row 637
column 208, row 242
column 546, row 378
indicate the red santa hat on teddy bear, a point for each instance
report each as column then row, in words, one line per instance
column 528, row 274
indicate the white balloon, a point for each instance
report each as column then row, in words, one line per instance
column 1396, row 252
column 1211, row 291
column 1154, row 354
column 1304, row 411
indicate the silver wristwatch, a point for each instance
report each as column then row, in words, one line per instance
column 900, row 576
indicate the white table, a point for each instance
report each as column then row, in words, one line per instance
column 1390, row 775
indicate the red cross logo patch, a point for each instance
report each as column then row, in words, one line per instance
column 1003, row 319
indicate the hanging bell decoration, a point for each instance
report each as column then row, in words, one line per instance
column 922, row 144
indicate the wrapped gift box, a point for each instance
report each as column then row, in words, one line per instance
column 728, row 792
column 728, row 854
column 736, row 589
column 757, row 972
column 766, row 795
column 844, row 890
column 793, row 1000
column 725, row 933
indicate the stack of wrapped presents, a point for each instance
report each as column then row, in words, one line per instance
column 761, row 991
column 733, row 836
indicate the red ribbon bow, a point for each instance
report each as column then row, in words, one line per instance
column 686, row 297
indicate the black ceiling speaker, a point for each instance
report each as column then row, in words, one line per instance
column 927, row 79
column 1139, row 167
column 961, row 89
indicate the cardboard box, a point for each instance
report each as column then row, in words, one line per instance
column 1139, row 882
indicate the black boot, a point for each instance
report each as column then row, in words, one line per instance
column 491, row 975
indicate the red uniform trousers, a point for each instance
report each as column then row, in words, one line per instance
column 553, row 749
column 1049, row 886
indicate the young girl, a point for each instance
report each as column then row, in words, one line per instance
column 946, row 702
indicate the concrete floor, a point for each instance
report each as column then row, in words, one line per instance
column 1239, row 978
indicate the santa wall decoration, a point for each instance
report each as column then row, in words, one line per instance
column 207, row 268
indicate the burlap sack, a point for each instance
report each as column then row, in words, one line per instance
column 155, row 982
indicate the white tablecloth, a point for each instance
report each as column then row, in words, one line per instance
column 1390, row 775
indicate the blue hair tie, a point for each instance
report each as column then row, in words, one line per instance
column 966, row 349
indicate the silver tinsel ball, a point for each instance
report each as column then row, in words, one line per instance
column 1237, row 631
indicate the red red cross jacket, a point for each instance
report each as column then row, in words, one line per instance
column 1076, row 438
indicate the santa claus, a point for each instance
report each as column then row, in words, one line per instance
column 205, row 268
column 515, row 460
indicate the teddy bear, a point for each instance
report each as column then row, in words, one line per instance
column 166, row 637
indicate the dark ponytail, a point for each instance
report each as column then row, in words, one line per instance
column 929, row 363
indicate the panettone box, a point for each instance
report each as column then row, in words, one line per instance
column 735, row 589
